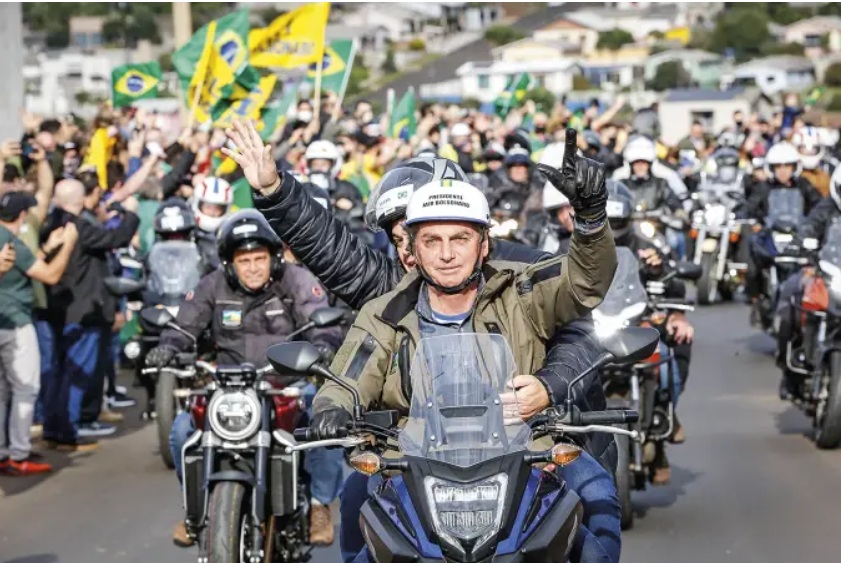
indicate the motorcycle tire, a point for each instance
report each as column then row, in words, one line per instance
column 225, row 516
column 165, row 409
column 828, row 429
column 624, row 481
column 707, row 286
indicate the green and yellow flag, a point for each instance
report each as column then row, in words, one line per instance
column 513, row 94
column 404, row 123
column 335, row 67
column 99, row 154
column 134, row 82
column 250, row 106
column 293, row 39
column 274, row 114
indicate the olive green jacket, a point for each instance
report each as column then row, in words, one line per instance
column 523, row 302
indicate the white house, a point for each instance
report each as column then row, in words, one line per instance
column 638, row 22
column 811, row 31
column 772, row 75
column 52, row 80
column 485, row 80
column 713, row 108
column 581, row 38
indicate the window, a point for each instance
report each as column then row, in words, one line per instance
column 484, row 81
column 812, row 41
column 704, row 117
column 96, row 39
column 80, row 40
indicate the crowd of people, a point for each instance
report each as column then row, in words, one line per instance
column 330, row 212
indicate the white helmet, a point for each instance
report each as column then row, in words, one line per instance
column 640, row 148
column 213, row 191
column 324, row 150
column 460, row 130
column 808, row 144
column 552, row 198
column 835, row 187
column 448, row 200
column 782, row 153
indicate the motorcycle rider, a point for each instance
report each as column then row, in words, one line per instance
column 676, row 330
column 782, row 166
column 248, row 304
column 212, row 202
column 494, row 157
column 815, row 226
column 174, row 220
column 515, row 183
column 808, row 144
column 460, row 147
column 323, row 166
column 449, row 240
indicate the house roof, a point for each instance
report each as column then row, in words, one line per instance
column 502, row 67
column 702, row 95
column 820, row 24
column 560, row 45
column 684, row 54
column 339, row 31
column 563, row 23
column 781, row 62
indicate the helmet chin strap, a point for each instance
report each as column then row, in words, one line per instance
column 471, row 279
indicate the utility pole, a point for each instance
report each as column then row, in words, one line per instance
column 11, row 69
column 182, row 23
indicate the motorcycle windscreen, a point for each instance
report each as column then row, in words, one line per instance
column 462, row 410
column 175, row 267
column 785, row 206
column 830, row 263
column 626, row 289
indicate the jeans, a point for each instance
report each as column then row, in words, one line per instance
column 677, row 241
column 20, row 374
column 47, row 351
column 325, row 466
column 94, row 394
column 598, row 539
column 72, row 373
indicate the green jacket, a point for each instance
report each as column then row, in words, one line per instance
column 525, row 303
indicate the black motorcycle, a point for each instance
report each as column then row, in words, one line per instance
column 465, row 485
column 246, row 494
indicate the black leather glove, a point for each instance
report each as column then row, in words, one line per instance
column 582, row 180
column 160, row 356
column 330, row 423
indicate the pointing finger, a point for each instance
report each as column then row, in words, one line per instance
column 570, row 148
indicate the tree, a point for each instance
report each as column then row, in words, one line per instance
column 742, row 30
column 471, row 103
column 614, row 39
column 388, row 63
column 417, row 44
column 774, row 48
column 832, row 76
column 834, row 104
column 670, row 74
column 543, row 99
column 165, row 60
column 358, row 76
column 502, row 34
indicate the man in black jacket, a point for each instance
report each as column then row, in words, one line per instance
column 81, row 312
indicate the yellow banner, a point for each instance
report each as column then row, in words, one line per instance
column 213, row 77
column 291, row 40
column 99, row 154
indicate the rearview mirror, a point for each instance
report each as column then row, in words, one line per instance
column 123, row 286
column 688, row 271
column 735, row 194
column 631, row 345
column 298, row 357
column 327, row 316
column 156, row 316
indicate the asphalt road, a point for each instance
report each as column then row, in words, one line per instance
column 748, row 485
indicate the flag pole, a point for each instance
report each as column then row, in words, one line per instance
column 318, row 72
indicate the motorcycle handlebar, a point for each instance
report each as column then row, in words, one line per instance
column 609, row 417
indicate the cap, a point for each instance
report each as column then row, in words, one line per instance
column 517, row 155
column 460, row 130
column 448, row 200
column 13, row 203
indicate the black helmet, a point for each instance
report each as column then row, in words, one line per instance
column 386, row 203
column 518, row 138
column 174, row 219
column 620, row 207
column 245, row 230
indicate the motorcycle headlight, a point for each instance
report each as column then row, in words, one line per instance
column 781, row 240
column 132, row 349
column 469, row 512
column 715, row 215
column 234, row 415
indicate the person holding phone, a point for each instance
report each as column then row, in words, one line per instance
column 20, row 370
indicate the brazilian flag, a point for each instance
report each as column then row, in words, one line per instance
column 134, row 82
column 513, row 94
column 404, row 123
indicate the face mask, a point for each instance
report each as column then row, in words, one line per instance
column 739, row 124
column 305, row 116
column 540, row 130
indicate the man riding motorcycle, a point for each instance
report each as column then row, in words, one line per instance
column 323, row 166
column 808, row 144
column 512, row 185
column 815, row 226
column 454, row 288
column 782, row 166
column 358, row 274
column 174, row 220
column 248, row 304
column 677, row 330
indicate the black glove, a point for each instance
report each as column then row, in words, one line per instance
column 582, row 180
column 116, row 206
column 330, row 423
column 327, row 353
column 160, row 356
